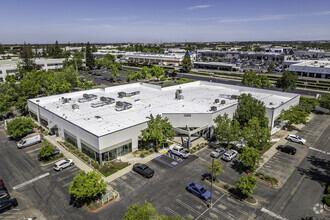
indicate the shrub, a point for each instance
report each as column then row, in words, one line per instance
column 142, row 154
column 327, row 199
column 166, row 84
column 267, row 178
column 226, row 186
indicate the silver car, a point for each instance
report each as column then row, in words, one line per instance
column 218, row 152
column 60, row 165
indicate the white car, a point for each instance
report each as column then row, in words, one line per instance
column 218, row 152
column 179, row 151
column 60, row 165
column 229, row 155
column 296, row 138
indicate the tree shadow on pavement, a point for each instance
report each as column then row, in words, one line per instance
column 316, row 175
column 238, row 166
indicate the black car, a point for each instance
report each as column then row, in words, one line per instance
column 2, row 185
column 287, row 149
column 56, row 151
column 8, row 204
column 144, row 170
column 4, row 195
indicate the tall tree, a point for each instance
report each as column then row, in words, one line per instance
column 57, row 51
column 158, row 131
column 249, row 107
column 90, row 62
column 47, row 150
column 250, row 157
column 186, row 62
column 287, row 81
column 94, row 49
column 246, row 184
column 262, row 81
column 27, row 64
column 226, row 129
column 249, row 78
column 294, row 115
column 76, row 61
column 2, row 50
column 325, row 101
column 145, row 71
column 217, row 168
column 157, row 71
column 255, row 135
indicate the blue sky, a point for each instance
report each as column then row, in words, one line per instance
column 44, row 21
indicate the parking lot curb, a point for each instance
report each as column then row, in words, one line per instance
column 263, row 181
column 93, row 211
column 43, row 165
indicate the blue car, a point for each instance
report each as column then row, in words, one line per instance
column 199, row 191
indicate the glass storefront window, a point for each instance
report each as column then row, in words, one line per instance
column 72, row 140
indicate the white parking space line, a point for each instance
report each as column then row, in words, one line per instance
column 190, row 208
column 194, row 198
column 30, row 151
column 272, row 214
column 30, row 181
column 136, row 178
column 72, row 174
column 224, row 214
column 236, row 207
column 125, row 184
column 322, row 151
column 173, row 212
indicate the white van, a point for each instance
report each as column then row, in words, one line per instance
column 29, row 140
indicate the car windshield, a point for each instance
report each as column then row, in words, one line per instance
column 203, row 190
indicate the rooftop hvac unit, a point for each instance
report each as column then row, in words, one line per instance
column 87, row 98
column 75, row 106
column 223, row 102
column 121, row 94
column 234, row 96
column 104, row 101
column 213, row 108
column 178, row 94
column 65, row 100
column 120, row 106
column 216, row 101
column 271, row 103
column 180, row 97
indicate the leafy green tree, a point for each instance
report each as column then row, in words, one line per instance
column 287, row 81
column 158, row 130
column 21, row 104
column 226, row 129
column 114, row 72
column 31, row 83
column 325, row 101
column 76, row 61
column 27, row 64
column 249, row 107
column 249, row 78
column 94, row 49
column 271, row 67
column 47, row 150
column 255, row 135
column 308, row 104
column 145, row 72
column 20, row 126
column 186, row 62
column 87, row 186
column 128, row 75
column 250, row 158
column 294, row 115
column 217, row 168
column 2, row 50
column 136, row 76
column 157, row 71
column 246, row 185
column 90, row 62
column 145, row 212
column 262, row 81
column 10, row 78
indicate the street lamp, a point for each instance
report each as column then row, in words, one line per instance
column 210, row 205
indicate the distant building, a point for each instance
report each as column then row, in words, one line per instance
column 8, row 67
column 312, row 68
column 216, row 66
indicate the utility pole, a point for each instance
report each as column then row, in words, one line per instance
column 210, row 205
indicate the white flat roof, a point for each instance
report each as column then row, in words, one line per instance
column 198, row 98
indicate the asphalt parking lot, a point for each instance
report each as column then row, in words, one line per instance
column 166, row 191
column 41, row 192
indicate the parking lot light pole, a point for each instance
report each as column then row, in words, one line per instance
column 210, row 206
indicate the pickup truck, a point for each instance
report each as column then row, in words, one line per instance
column 179, row 151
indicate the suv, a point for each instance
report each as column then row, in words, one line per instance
column 218, row 152
column 144, row 170
column 296, row 138
column 4, row 194
column 179, row 151
column 287, row 149
column 229, row 155
column 8, row 204
column 60, row 165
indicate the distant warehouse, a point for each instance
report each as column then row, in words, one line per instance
column 216, row 66
column 106, row 123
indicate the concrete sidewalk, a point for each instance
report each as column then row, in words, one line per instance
column 282, row 135
column 77, row 161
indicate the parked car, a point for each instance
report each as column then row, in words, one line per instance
column 229, row 155
column 60, row 165
column 199, row 191
column 29, row 140
column 56, row 151
column 287, row 149
column 2, row 185
column 8, row 204
column 179, row 151
column 4, row 195
column 296, row 138
column 218, row 152
column 144, row 170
